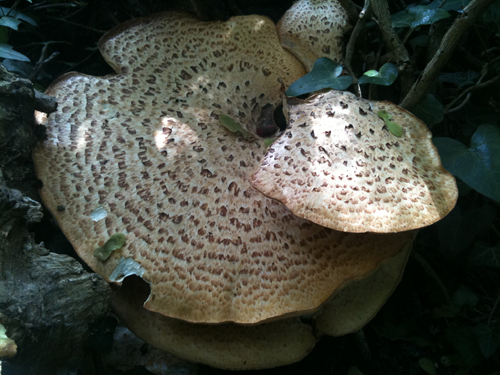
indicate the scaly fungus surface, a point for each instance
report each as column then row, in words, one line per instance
column 311, row 29
column 142, row 153
column 338, row 165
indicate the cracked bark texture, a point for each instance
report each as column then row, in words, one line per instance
column 48, row 303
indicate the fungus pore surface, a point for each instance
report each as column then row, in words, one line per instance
column 143, row 153
column 337, row 164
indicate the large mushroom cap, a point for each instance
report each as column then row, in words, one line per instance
column 228, row 345
column 338, row 165
column 143, row 153
column 311, row 29
column 358, row 301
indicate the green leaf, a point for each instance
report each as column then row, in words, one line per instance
column 115, row 242
column 269, row 141
column 464, row 296
column 385, row 77
column 428, row 366
column 485, row 256
column 456, row 5
column 353, row 370
column 429, row 110
column 418, row 16
column 7, row 52
column 460, row 79
column 464, row 341
column 18, row 15
column 488, row 338
column 479, row 165
column 233, row 126
column 394, row 128
column 9, row 22
column 401, row 19
column 324, row 75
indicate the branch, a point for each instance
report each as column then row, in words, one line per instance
column 478, row 86
column 445, row 51
column 399, row 52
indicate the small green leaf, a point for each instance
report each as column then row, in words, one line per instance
column 115, row 242
column 269, row 141
column 488, row 338
column 401, row 19
column 353, row 370
column 9, row 22
column 325, row 74
column 7, row 52
column 233, row 126
column 18, row 15
column 427, row 365
column 456, row 5
column 479, row 165
column 385, row 77
column 418, row 16
column 429, row 110
column 464, row 296
column 394, row 128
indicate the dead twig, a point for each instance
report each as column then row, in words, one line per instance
column 360, row 25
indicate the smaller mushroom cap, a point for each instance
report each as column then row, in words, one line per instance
column 228, row 346
column 311, row 29
column 338, row 165
column 357, row 303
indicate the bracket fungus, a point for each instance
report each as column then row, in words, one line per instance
column 146, row 146
column 311, row 29
column 156, row 169
column 338, row 165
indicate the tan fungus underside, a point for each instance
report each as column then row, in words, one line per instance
column 146, row 147
column 338, row 165
column 229, row 345
column 359, row 300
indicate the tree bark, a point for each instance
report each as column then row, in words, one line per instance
column 48, row 303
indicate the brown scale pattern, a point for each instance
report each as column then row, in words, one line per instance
column 338, row 165
column 146, row 145
column 311, row 29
